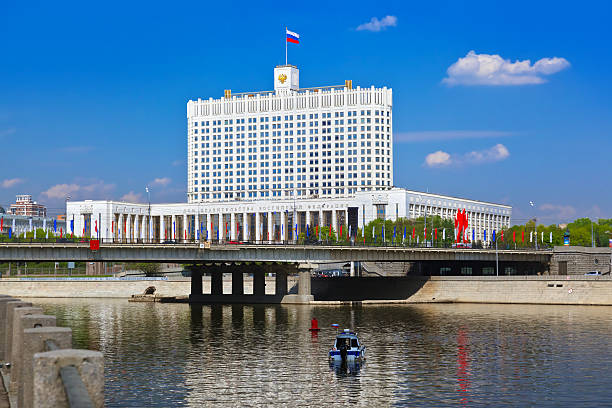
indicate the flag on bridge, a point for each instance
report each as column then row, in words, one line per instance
column 1, row 224
column 493, row 236
column 485, row 236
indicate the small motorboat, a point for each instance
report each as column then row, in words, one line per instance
column 347, row 348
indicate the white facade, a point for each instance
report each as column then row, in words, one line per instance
column 305, row 142
column 265, row 165
column 273, row 220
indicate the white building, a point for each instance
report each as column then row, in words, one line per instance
column 263, row 164
column 330, row 141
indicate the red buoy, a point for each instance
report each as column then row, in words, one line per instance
column 314, row 325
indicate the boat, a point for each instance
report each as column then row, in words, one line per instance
column 347, row 347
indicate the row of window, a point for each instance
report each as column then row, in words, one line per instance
column 324, row 115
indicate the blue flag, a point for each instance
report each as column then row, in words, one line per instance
column 493, row 236
column 54, row 225
column 72, row 226
column 485, row 235
column 473, row 235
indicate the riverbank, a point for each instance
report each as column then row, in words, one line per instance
column 553, row 290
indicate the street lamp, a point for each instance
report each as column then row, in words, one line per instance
column 535, row 222
column 149, row 199
column 68, row 197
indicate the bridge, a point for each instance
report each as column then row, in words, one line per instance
column 280, row 253
column 261, row 260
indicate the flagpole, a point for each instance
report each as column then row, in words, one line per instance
column 285, row 45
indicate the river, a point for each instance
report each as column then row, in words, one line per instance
column 174, row 355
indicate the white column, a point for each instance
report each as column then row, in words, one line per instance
column 321, row 224
column 308, row 226
column 173, row 227
column 207, row 233
column 185, row 227
column 257, row 229
column 283, row 221
column 270, row 236
column 233, row 226
column 245, row 226
column 120, row 234
column 221, row 227
column 196, row 227
column 335, row 221
column 162, row 228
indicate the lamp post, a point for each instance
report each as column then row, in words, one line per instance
column 67, row 221
column 535, row 222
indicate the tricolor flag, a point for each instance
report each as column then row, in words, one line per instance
column 292, row 37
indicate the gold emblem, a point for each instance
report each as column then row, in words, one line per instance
column 282, row 78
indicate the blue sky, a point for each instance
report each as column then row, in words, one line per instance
column 93, row 95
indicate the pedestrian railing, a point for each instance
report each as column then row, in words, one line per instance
column 42, row 368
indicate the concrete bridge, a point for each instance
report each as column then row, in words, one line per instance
column 200, row 253
column 261, row 260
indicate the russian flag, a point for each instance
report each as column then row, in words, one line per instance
column 292, row 37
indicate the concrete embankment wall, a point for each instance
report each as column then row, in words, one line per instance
column 115, row 288
column 467, row 289
column 437, row 289
column 90, row 289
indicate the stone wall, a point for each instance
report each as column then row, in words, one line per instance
column 117, row 289
column 568, row 290
column 580, row 260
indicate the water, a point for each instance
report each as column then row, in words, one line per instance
column 171, row 355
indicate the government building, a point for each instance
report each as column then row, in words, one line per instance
column 267, row 165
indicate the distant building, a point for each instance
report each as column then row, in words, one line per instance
column 25, row 206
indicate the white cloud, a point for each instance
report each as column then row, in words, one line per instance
column 496, row 153
column 437, row 135
column 132, row 197
column 8, row 183
column 177, row 163
column 438, row 159
column 558, row 211
column 377, row 25
column 61, row 190
column 77, row 191
column 486, row 69
column 162, row 181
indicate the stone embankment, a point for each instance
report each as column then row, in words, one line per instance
column 39, row 367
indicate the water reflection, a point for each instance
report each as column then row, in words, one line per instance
column 165, row 355
column 345, row 368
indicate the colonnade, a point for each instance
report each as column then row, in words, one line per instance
column 259, row 226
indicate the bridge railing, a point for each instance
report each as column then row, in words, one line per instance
column 39, row 364
column 394, row 243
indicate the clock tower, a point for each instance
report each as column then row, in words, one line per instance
column 286, row 78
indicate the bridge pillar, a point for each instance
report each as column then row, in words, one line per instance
column 196, row 283
column 281, row 283
column 259, row 282
column 216, row 281
column 237, row 283
column 304, row 295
